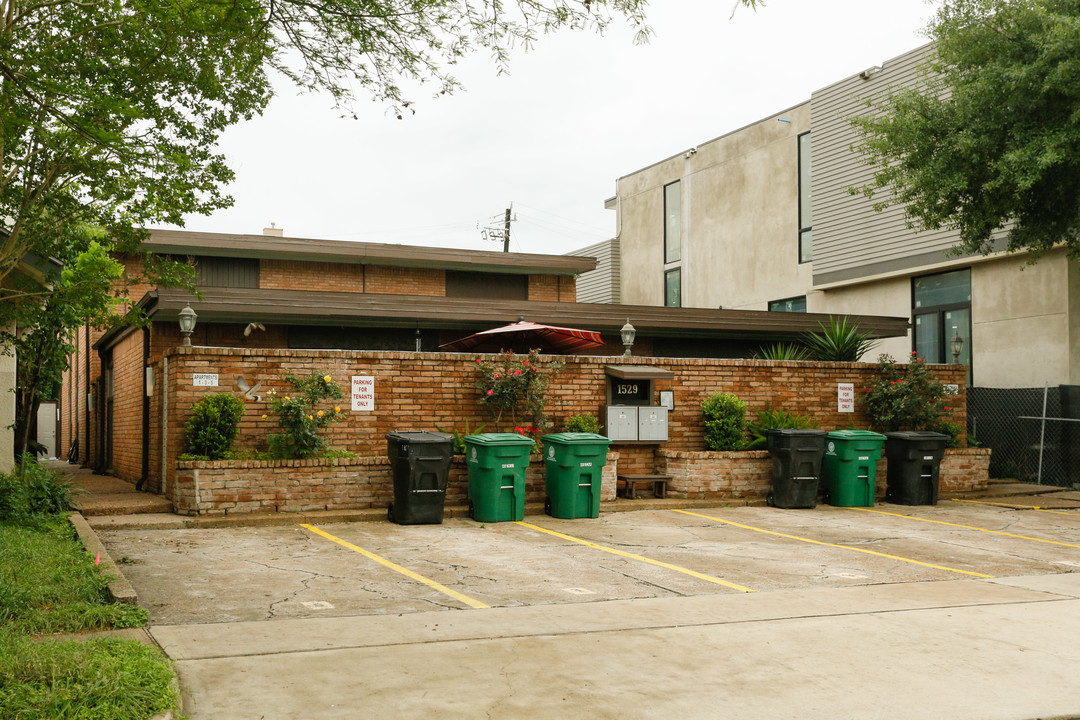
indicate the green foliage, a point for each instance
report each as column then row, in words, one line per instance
column 213, row 425
column 986, row 143
column 839, row 341
column 32, row 491
column 724, row 416
column 953, row 429
column 904, row 397
column 458, row 442
column 300, row 415
column 782, row 351
column 770, row 419
column 583, row 424
column 100, row 679
column 516, row 384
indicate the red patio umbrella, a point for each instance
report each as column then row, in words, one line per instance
column 525, row 336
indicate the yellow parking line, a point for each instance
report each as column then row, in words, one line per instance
column 642, row 558
column 967, row 527
column 827, row 544
column 1017, row 505
column 397, row 568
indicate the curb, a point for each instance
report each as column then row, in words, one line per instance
column 161, row 521
column 120, row 589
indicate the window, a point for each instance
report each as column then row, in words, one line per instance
column 673, row 222
column 941, row 306
column 673, row 288
column 795, row 304
column 464, row 284
column 806, row 206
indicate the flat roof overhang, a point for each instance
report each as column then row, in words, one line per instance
column 294, row 307
column 182, row 242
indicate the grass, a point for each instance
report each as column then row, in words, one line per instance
column 49, row 584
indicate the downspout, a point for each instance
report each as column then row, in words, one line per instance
column 145, row 413
column 101, row 403
column 86, row 355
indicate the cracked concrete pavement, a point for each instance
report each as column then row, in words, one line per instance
column 958, row 610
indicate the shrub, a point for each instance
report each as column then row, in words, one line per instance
column 458, row 442
column 300, row 417
column 782, row 351
column 213, row 425
column 904, row 397
column 725, row 421
column 33, row 490
column 516, row 384
column 840, row 341
column 769, row 419
column 583, row 424
column 953, row 429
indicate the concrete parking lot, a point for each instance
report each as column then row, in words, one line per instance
column 961, row 610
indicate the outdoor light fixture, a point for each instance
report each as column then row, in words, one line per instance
column 957, row 346
column 628, row 333
column 187, row 324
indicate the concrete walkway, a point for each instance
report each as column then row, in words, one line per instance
column 959, row 649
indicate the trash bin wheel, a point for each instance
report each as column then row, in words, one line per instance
column 826, row 497
column 390, row 512
column 770, row 499
column 470, row 510
column 547, row 505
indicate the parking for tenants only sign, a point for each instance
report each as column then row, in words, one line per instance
column 363, row 393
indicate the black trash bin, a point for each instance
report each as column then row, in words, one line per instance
column 796, row 456
column 420, row 463
column 914, row 461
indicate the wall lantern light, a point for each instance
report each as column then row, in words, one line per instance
column 957, row 346
column 628, row 333
column 187, row 324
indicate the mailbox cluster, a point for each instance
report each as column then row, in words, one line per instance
column 637, row 423
column 631, row 415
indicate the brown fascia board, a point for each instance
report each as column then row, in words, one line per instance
column 292, row 307
column 182, row 242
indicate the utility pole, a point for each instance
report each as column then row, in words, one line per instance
column 495, row 233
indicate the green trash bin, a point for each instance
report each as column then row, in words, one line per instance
column 497, row 463
column 573, row 466
column 850, row 467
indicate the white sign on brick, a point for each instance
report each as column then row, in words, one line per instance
column 845, row 397
column 363, row 393
column 205, row 379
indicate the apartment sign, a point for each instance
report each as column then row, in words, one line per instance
column 205, row 379
column 363, row 393
column 845, row 397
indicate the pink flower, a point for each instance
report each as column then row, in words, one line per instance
column 491, row 392
column 498, row 375
column 477, row 359
column 525, row 363
column 946, row 407
column 516, row 373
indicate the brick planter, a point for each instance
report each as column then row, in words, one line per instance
column 716, row 475
column 243, row 486
column 965, row 469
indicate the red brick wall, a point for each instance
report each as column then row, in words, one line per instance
column 76, row 422
column 433, row 390
column 127, row 407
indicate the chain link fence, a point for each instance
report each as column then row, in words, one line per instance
column 1034, row 432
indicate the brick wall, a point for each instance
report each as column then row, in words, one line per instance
column 714, row 475
column 405, row 281
column 127, row 407
column 224, row 488
column 436, row 390
column 76, row 421
column 327, row 276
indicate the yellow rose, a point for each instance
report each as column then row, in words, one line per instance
column 264, row 417
column 286, row 398
column 310, row 418
column 327, row 378
column 321, row 413
column 337, row 409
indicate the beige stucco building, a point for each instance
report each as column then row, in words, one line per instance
column 762, row 218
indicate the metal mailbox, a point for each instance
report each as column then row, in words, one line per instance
column 652, row 423
column 622, row 422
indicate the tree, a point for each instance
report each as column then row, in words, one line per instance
column 988, row 143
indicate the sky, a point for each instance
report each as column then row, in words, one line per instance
column 575, row 113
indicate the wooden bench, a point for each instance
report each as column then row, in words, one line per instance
column 629, row 482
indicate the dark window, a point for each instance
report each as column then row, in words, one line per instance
column 222, row 271
column 795, row 304
column 496, row 286
column 806, row 206
column 941, row 308
column 673, row 288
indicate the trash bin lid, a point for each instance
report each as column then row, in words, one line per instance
column 571, row 438
column 915, row 435
column 498, row 439
column 795, row 431
column 855, row 435
column 419, row 436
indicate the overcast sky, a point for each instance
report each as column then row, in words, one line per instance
column 574, row 114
